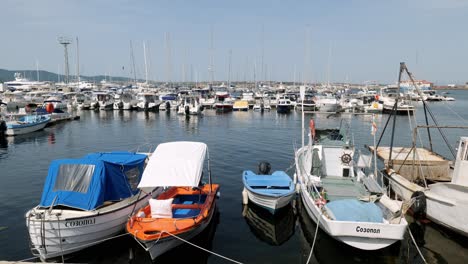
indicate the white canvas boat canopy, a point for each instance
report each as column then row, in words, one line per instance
column 175, row 164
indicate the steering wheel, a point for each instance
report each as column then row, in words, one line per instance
column 346, row 158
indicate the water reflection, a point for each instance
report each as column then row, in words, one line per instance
column 51, row 138
column 33, row 137
column 189, row 122
column 271, row 229
column 3, row 142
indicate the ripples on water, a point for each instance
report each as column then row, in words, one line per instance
column 236, row 141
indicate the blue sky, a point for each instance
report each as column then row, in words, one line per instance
column 358, row 40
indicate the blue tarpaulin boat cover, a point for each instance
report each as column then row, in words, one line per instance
column 355, row 211
column 88, row 182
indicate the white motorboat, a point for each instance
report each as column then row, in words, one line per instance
column 389, row 95
column 26, row 124
column 190, row 106
column 347, row 204
column 86, row 201
column 148, row 102
column 102, row 100
column 327, row 103
column 445, row 203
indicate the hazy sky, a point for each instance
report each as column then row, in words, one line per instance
column 353, row 40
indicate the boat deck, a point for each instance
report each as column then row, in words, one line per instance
column 338, row 188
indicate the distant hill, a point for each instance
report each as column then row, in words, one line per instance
column 6, row 76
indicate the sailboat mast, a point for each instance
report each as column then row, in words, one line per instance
column 329, row 63
column 133, row 62
column 229, row 69
column 146, row 64
column 211, row 67
column 37, row 69
column 78, row 61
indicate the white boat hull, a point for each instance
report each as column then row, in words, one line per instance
column 25, row 129
column 62, row 232
column 362, row 235
column 446, row 203
column 268, row 202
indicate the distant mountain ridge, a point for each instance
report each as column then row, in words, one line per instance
column 7, row 75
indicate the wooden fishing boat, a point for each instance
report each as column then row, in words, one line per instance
column 185, row 208
column 346, row 203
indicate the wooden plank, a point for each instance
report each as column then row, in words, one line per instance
column 426, row 163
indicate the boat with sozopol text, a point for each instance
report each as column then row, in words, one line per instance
column 346, row 203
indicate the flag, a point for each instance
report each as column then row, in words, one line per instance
column 374, row 126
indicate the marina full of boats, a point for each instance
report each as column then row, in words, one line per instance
column 191, row 98
column 166, row 198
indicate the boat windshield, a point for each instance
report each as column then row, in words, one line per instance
column 74, row 177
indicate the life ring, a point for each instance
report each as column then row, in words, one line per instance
column 375, row 105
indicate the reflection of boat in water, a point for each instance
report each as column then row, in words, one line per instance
column 329, row 250
column 272, row 229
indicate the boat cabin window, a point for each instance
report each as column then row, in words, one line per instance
column 346, row 172
column 74, row 177
column 133, row 177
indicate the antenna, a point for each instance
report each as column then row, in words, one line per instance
column 65, row 41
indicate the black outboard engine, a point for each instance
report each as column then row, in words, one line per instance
column 187, row 110
column 419, row 205
column 264, row 168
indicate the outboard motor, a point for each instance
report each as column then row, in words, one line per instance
column 264, row 168
column 187, row 110
column 419, row 205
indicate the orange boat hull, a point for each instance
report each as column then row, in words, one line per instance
column 192, row 212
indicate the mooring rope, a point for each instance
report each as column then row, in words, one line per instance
column 185, row 241
column 315, row 236
column 416, row 245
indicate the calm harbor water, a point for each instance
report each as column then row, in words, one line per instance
column 236, row 141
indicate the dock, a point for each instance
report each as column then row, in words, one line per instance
column 416, row 165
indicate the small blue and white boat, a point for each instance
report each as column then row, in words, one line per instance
column 26, row 124
column 270, row 191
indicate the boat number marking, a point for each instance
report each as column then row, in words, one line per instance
column 80, row 222
column 367, row 230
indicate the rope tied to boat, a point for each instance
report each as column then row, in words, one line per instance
column 315, row 236
column 185, row 241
